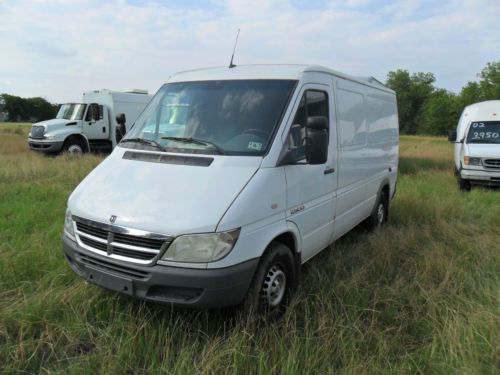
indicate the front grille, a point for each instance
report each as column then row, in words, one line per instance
column 119, row 243
column 108, row 266
column 37, row 131
column 97, row 245
column 492, row 163
column 94, row 231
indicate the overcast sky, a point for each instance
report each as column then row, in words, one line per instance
column 59, row 49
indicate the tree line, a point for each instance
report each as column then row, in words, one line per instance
column 423, row 108
column 19, row 109
column 426, row 109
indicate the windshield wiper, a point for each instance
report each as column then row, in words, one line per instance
column 144, row 141
column 197, row 142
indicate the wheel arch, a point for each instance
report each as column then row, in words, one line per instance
column 385, row 187
column 81, row 138
column 291, row 239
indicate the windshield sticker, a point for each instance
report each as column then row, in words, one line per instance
column 254, row 146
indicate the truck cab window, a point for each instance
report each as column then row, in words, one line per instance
column 312, row 103
column 94, row 113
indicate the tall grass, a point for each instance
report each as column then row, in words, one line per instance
column 420, row 296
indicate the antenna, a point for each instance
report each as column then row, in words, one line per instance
column 231, row 65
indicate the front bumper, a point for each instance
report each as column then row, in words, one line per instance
column 201, row 288
column 481, row 176
column 45, row 146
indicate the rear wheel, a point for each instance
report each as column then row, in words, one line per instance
column 380, row 214
column 273, row 283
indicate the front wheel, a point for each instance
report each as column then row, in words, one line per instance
column 463, row 185
column 73, row 147
column 273, row 283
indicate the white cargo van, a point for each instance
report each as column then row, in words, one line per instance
column 230, row 180
column 477, row 145
column 90, row 125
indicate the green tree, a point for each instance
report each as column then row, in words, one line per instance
column 440, row 113
column 412, row 92
column 490, row 81
column 22, row 109
column 488, row 87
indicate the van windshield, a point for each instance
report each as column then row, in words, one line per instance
column 484, row 132
column 71, row 111
column 235, row 117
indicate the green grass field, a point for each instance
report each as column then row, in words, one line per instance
column 420, row 296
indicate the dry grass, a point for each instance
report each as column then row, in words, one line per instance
column 420, row 296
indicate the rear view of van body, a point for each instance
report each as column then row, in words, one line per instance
column 231, row 179
column 477, row 145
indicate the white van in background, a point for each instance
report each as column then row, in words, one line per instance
column 230, row 180
column 90, row 125
column 477, row 145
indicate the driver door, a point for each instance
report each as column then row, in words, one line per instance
column 95, row 122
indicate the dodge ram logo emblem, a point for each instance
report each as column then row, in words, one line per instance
column 112, row 218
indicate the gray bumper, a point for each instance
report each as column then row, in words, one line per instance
column 481, row 177
column 188, row 287
column 45, row 146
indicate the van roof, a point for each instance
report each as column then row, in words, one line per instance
column 486, row 106
column 260, row 71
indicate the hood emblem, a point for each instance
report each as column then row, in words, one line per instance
column 112, row 219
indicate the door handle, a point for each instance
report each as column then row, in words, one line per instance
column 329, row 170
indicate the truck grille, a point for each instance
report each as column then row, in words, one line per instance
column 492, row 163
column 37, row 131
column 120, row 243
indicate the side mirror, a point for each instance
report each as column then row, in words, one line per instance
column 120, row 128
column 317, row 140
column 452, row 136
column 120, row 118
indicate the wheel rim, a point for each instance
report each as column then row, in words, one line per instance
column 274, row 287
column 380, row 214
column 75, row 149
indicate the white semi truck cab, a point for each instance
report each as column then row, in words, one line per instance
column 90, row 125
column 477, row 145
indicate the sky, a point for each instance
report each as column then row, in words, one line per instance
column 59, row 49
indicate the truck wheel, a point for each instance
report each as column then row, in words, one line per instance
column 380, row 214
column 73, row 147
column 464, row 185
column 273, row 283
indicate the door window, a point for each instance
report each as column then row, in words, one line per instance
column 312, row 103
column 94, row 112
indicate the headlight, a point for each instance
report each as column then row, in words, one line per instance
column 472, row 161
column 51, row 136
column 68, row 225
column 201, row 248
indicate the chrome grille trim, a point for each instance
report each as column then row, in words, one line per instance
column 121, row 243
column 491, row 163
column 37, row 131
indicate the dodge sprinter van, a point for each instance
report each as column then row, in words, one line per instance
column 230, row 180
column 477, row 145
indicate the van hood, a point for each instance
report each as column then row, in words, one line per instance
column 163, row 198
column 485, row 150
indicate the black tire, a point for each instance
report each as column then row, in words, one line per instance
column 273, row 284
column 380, row 213
column 463, row 185
column 73, row 147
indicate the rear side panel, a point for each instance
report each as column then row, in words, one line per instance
column 368, row 149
